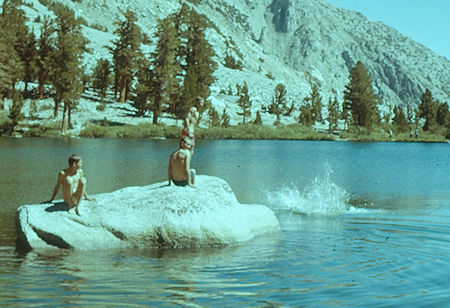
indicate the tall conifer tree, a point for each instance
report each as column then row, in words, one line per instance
column 244, row 103
column 399, row 120
column 360, row 97
column 258, row 120
column 143, row 91
column 126, row 53
column 10, row 67
column 197, row 54
column 45, row 51
column 14, row 31
column 213, row 116
column 333, row 113
column 102, row 77
column 443, row 115
column 316, row 103
column 15, row 112
column 279, row 101
column 225, row 118
column 67, row 73
column 29, row 59
column 428, row 110
column 306, row 114
column 166, row 69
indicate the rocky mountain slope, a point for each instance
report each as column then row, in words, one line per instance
column 281, row 41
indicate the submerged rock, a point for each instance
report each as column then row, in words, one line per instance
column 151, row 216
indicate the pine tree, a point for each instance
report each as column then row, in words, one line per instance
column 213, row 116
column 197, row 58
column 15, row 31
column 443, row 115
column 29, row 59
column 5, row 72
column 15, row 113
column 45, row 50
column 333, row 113
column 360, row 97
column 67, row 73
column 126, row 53
column 244, row 103
column 258, row 120
column 140, row 99
column 144, row 85
column 306, row 114
column 102, row 77
column 400, row 122
column 346, row 113
column 316, row 103
column 225, row 118
column 428, row 110
column 165, row 86
column 10, row 67
column 12, row 33
column 278, row 105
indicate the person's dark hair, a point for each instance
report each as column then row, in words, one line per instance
column 187, row 142
column 200, row 101
column 74, row 159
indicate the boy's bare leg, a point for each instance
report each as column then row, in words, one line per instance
column 81, row 191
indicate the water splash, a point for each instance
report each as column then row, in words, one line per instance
column 321, row 196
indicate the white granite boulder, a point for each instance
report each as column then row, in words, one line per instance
column 143, row 217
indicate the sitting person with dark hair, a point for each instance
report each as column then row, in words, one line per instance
column 73, row 183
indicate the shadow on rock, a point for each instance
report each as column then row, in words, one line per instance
column 58, row 207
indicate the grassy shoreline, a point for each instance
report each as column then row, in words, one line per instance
column 244, row 132
column 239, row 132
column 253, row 132
column 107, row 129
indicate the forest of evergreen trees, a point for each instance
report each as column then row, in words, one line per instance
column 170, row 78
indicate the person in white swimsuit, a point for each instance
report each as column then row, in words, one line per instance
column 191, row 120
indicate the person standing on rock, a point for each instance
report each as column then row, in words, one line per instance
column 73, row 183
column 179, row 170
column 191, row 120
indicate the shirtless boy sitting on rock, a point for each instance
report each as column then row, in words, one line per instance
column 73, row 183
column 179, row 171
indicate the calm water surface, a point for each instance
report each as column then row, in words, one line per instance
column 361, row 224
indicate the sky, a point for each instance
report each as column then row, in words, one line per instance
column 425, row 21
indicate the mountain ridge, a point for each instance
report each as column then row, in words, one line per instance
column 280, row 41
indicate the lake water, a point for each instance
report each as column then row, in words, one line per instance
column 361, row 224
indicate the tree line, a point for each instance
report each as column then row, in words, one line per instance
column 168, row 79
column 360, row 108
column 54, row 57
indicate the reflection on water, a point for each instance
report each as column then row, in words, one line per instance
column 144, row 276
column 391, row 250
column 320, row 260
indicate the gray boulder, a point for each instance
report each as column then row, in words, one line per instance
column 142, row 217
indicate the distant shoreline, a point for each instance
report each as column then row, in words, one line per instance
column 117, row 120
column 238, row 132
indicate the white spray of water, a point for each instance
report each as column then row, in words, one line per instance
column 321, row 196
